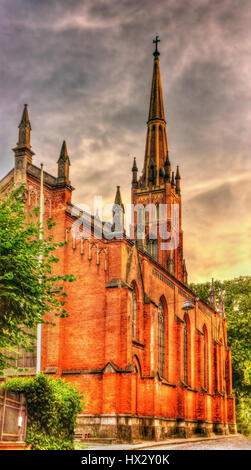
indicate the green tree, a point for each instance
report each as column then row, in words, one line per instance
column 27, row 282
column 237, row 293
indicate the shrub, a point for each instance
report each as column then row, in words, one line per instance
column 52, row 408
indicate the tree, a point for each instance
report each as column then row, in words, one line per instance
column 27, row 282
column 237, row 293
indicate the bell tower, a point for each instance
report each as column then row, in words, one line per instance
column 159, row 187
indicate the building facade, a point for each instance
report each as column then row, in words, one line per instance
column 150, row 357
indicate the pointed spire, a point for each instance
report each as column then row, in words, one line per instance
column 22, row 151
column 184, row 271
column 177, row 179
column 156, row 140
column 25, row 117
column 118, row 198
column 134, row 174
column 167, row 169
column 134, row 167
column 63, row 152
column 118, row 214
column 156, row 110
column 173, row 180
column 24, row 129
column 222, row 304
column 64, row 165
column 212, row 296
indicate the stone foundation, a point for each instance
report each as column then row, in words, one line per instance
column 128, row 428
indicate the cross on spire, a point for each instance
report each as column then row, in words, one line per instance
column 155, row 41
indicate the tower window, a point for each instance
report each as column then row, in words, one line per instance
column 152, row 248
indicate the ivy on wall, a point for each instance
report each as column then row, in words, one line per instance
column 52, row 408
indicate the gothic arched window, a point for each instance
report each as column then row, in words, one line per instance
column 186, row 351
column 205, row 358
column 161, row 339
column 134, row 313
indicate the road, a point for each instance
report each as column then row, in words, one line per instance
column 237, row 442
column 230, row 443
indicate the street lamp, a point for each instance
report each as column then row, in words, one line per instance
column 188, row 305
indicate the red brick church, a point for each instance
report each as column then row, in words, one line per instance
column 150, row 357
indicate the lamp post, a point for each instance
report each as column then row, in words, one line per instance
column 41, row 219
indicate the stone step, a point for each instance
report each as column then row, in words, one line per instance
column 100, row 440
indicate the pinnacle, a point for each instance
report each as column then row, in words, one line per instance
column 63, row 152
column 172, row 181
column 25, row 116
column 118, row 198
column 134, row 167
column 177, row 176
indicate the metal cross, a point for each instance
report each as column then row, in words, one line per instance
column 155, row 41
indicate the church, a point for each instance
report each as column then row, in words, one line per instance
column 149, row 356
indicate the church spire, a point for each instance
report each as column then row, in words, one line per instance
column 24, row 129
column 156, row 110
column 22, row 151
column 64, row 166
column 156, row 141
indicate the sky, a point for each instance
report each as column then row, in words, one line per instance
column 85, row 67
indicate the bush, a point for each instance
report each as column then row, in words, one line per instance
column 52, row 408
column 243, row 415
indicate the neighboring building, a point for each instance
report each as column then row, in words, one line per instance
column 151, row 358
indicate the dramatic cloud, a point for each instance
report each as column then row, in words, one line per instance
column 84, row 67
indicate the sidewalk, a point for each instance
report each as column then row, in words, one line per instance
column 150, row 444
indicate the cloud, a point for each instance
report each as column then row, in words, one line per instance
column 85, row 69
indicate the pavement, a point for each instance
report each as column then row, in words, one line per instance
column 231, row 442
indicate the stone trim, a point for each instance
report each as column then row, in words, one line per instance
column 185, row 295
column 199, row 332
column 148, row 300
column 204, row 310
column 137, row 344
column 118, row 283
column 128, row 427
column 178, row 319
column 162, row 418
column 51, row 370
column 165, row 382
column 49, row 180
column 162, row 278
